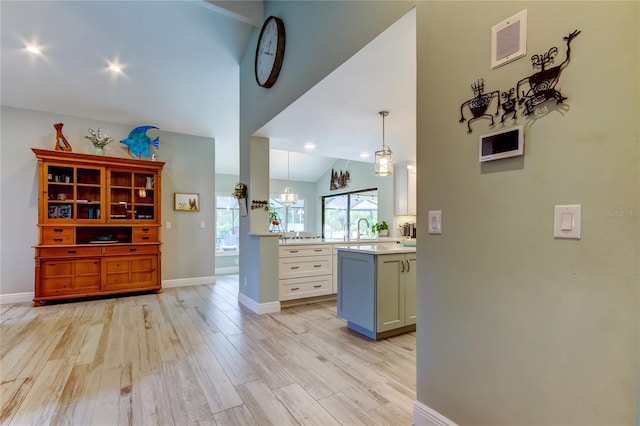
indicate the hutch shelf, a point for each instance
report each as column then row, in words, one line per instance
column 99, row 225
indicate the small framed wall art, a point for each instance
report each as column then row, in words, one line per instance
column 186, row 201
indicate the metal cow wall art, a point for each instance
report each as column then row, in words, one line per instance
column 542, row 85
column 479, row 104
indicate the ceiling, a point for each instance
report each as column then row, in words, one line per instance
column 188, row 81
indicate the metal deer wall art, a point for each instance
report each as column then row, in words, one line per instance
column 530, row 92
column 542, row 85
column 479, row 104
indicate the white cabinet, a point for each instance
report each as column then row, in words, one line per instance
column 405, row 182
column 305, row 271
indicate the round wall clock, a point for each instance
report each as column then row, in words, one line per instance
column 270, row 51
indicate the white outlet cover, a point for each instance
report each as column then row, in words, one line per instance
column 435, row 222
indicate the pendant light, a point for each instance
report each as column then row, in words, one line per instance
column 289, row 196
column 384, row 156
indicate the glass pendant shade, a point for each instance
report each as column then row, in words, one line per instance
column 384, row 156
column 289, row 196
column 384, row 161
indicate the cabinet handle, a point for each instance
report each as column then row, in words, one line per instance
column 58, row 230
column 293, row 251
column 408, row 266
column 402, row 263
column 317, row 266
column 317, row 250
column 133, row 249
column 145, row 238
column 57, row 239
column 295, row 267
column 295, row 288
column 71, row 252
column 317, row 286
column 145, row 229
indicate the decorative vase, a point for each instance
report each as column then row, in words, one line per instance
column 99, row 150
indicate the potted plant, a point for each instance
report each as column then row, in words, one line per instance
column 273, row 218
column 381, row 228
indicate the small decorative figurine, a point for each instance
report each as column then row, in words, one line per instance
column 138, row 142
column 478, row 105
column 62, row 144
column 542, row 84
column 508, row 104
column 98, row 140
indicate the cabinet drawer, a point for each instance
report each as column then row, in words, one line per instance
column 305, row 287
column 57, row 235
column 127, row 249
column 304, row 266
column 69, row 251
column 130, row 273
column 305, row 250
column 146, row 234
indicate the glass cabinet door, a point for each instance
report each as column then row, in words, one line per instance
column 73, row 193
column 132, row 196
column 120, row 196
column 144, row 196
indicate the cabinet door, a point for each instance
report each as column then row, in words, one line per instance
column 409, row 278
column 130, row 272
column 66, row 277
column 73, row 194
column 390, row 292
column 411, row 191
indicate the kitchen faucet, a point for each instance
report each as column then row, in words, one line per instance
column 367, row 228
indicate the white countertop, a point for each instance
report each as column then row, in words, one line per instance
column 377, row 248
column 369, row 241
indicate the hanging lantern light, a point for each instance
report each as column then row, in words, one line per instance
column 288, row 196
column 384, row 155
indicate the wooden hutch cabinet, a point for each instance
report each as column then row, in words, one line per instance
column 99, row 225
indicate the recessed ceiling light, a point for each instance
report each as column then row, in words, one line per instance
column 34, row 50
column 115, row 68
column 309, row 146
column 364, row 155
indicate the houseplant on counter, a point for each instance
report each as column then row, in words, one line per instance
column 381, row 228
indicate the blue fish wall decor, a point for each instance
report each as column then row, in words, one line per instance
column 138, row 142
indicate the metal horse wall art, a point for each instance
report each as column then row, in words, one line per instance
column 542, row 85
column 479, row 104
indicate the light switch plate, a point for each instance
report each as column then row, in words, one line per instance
column 567, row 221
column 435, row 222
column 202, row 225
column 167, row 225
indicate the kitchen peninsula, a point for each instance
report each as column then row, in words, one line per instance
column 377, row 289
column 308, row 267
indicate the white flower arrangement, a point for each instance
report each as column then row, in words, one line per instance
column 98, row 140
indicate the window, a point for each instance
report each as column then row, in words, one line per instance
column 227, row 223
column 290, row 218
column 340, row 213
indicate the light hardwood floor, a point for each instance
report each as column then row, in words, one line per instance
column 193, row 355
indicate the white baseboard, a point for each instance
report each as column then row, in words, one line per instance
column 426, row 416
column 16, row 298
column 184, row 282
column 258, row 308
column 228, row 270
